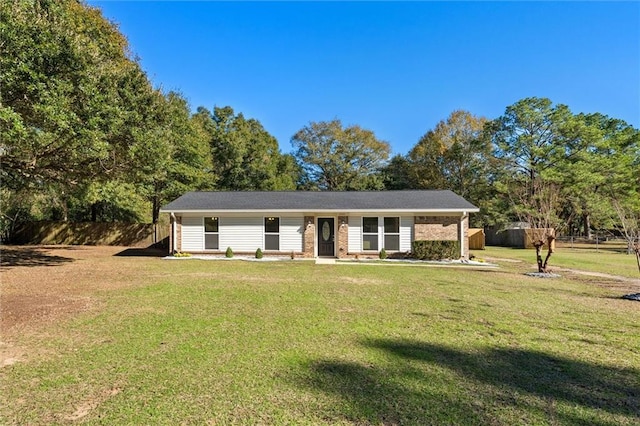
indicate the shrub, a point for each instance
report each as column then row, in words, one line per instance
column 383, row 254
column 180, row 254
column 228, row 253
column 293, row 255
column 259, row 253
column 435, row 250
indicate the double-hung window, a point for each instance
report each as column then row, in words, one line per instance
column 392, row 233
column 211, row 233
column 370, row 233
column 272, row 233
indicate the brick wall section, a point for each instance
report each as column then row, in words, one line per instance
column 465, row 235
column 309, row 236
column 343, row 236
column 438, row 228
column 441, row 228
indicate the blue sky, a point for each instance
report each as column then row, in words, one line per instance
column 394, row 68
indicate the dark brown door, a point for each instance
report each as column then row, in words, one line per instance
column 326, row 237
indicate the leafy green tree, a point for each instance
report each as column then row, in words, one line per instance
column 397, row 174
column 336, row 158
column 62, row 65
column 533, row 142
column 607, row 185
column 72, row 105
column 245, row 156
column 171, row 156
column 455, row 156
column 606, row 169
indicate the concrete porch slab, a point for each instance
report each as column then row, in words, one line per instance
column 325, row 261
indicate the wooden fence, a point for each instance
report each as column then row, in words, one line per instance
column 517, row 237
column 92, row 233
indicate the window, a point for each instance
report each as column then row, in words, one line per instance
column 392, row 233
column 272, row 233
column 370, row 233
column 211, row 233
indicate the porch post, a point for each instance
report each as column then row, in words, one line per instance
column 309, row 236
column 461, row 234
column 174, row 234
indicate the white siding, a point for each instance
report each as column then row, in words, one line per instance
column 291, row 230
column 406, row 233
column 192, row 233
column 355, row 234
column 241, row 233
column 246, row 233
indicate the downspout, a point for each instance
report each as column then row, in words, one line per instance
column 463, row 217
column 174, row 233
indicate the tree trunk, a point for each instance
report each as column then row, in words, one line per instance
column 550, row 240
column 543, row 265
column 94, row 212
column 156, row 210
column 586, row 220
column 538, row 245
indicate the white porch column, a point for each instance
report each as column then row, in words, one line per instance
column 461, row 233
column 174, row 234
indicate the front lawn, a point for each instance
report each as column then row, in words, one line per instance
column 211, row 342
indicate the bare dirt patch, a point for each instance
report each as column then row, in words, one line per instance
column 85, row 407
column 600, row 275
column 40, row 285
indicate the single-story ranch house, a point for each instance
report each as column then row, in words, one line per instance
column 316, row 223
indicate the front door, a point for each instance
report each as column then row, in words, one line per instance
column 326, row 237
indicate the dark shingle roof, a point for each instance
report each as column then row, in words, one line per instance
column 336, row 201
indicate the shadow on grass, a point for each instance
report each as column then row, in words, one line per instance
column 372, row 395
column 142, row 252
column 610, row 389
column 26, row 256
column 522, row 386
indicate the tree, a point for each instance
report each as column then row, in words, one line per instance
column 455, row 156
column 172, row 155
column 606, row 173
column 629, row 224
column 62, row 67
column 72, row 104
column 245, row 156
column 533, row 142
column 397, row 174
column 452, row 156
column 335, row 158
column 615, row 159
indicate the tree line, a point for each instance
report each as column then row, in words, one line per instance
column 86, row 137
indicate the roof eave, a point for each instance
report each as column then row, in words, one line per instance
column 334, row 211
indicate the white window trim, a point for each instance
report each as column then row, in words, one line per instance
column 204, row 239
column 384, row 233
column 362, row 233
column 265, row 233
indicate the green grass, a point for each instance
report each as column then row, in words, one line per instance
column 197, row 342
column 603, row 260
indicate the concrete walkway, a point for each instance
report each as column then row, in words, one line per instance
column 325, row 261
column 406, row 263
